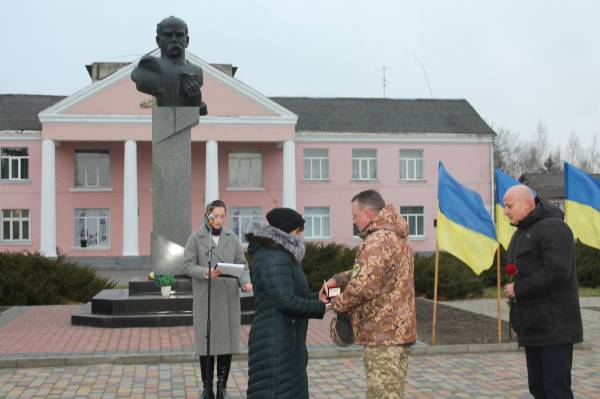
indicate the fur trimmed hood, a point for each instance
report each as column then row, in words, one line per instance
column 268, row 235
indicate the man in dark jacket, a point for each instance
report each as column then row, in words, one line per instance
column 545, row 313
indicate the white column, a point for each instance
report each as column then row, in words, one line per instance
column 289, row 174
column 48, row 206
column 130, row 201
column 211, row 189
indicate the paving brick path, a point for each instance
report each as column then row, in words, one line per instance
column 436, row 376
column 47, row 330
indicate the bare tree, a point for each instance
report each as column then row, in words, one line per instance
column 594, row 155
column 541, row 141
column 504, row 147
column 550, row 164
column 574, row 153
column 529, row 158
column 554, row 163
column 516, row 156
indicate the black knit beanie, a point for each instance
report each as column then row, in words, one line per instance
column 285, row 219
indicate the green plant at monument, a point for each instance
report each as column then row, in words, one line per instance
column 165, row 280
column 32, row 279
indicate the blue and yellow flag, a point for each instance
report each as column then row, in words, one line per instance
column 504, row 230
column 582, row 205
column 464, row 227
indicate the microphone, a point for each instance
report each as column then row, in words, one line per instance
column 210, row 219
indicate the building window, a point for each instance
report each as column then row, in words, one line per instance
column 415, row 218
column 92, row 228
column 411, row 164
column 245, row 169
column 316, row 164
column 14, row 164
column 240, row 218
column 15, row 225
column 92, row 168
column 559, row 205
column 364, row 164
column 317, row 223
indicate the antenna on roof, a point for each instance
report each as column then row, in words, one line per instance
column 424, row 73
column 384, row 82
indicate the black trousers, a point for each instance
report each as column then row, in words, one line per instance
column 549, row 371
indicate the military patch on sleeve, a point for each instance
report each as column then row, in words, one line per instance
column 355, row 270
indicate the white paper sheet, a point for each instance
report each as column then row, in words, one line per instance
column 232, row 269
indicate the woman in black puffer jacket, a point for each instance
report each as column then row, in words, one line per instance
column 277, row 355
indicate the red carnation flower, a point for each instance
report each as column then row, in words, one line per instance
column 511, row 269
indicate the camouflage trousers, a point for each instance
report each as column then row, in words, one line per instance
column 386, row 371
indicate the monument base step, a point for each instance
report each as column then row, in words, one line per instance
column 85, row 317
column 120, row 302
column 143, row 286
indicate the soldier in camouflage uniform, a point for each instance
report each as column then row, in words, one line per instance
column 379, row 294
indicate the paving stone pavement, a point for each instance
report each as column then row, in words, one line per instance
column 590, row 312
column 35, row 329
column 435, row 376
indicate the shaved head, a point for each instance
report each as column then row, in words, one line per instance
column 521, row 192
column 519, row 201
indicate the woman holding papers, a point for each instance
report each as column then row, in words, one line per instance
column 225, row 297
column 277, row 355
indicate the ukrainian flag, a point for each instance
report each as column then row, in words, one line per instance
column 464, row 227
column 582, row 205
column 504, row 230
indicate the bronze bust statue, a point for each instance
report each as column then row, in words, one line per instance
column 174, row 81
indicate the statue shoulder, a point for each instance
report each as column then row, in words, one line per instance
column 149, row 63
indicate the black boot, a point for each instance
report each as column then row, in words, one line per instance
column 223, row 366
column 207, row 367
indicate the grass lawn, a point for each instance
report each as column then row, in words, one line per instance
column 490, row 292
column 587, row 291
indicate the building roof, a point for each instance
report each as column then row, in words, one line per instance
column 332, row 115
column 382, row 115
column 20, row 111
column 547, row 186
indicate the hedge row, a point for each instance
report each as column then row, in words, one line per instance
column 33, row 279
column 456, row 280
column 587, row 260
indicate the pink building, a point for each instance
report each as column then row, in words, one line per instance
column 76, row 178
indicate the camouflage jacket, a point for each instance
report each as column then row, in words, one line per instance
column 379, row 291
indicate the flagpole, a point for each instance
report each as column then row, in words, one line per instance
column 499, row 295
column 435, row 292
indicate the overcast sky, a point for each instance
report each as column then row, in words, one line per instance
column 517, row 62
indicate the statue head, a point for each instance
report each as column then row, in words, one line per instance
column 172, row 38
